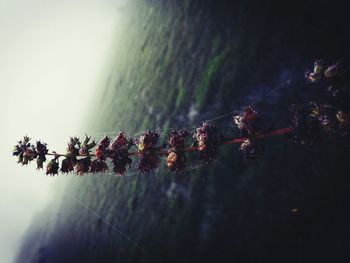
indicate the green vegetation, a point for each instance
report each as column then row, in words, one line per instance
column 181, row 97
column 212, row 68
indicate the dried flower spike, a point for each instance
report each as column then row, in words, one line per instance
column 119, row 153
column 148, row 151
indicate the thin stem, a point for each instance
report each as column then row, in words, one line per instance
column 194, row 148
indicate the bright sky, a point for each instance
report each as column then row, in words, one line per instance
column 52, row 54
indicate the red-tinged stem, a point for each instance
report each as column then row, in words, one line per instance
column 262, row 136
column 237, row 140
column 277, row 132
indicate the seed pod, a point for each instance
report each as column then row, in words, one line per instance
column 83, row 165
column 40, row 162
column 52, row 167
column 67, row 165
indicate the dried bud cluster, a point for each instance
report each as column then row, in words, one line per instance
column 116, row 150
column 42, row 150
column 176, row 159
column 119, row 153
column 52, row 167
column 207, row 139
column 27, row 152
column 248, row 123
column 312, row 121
column 148, row 151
